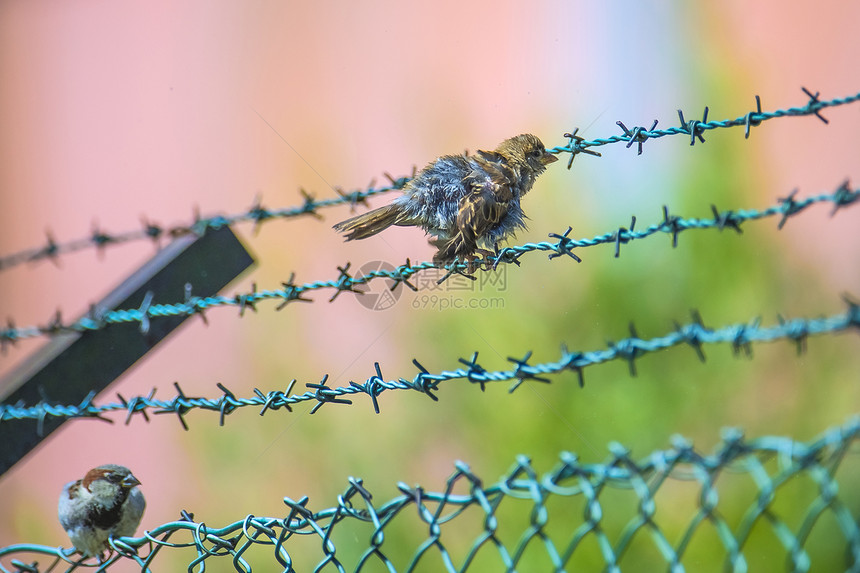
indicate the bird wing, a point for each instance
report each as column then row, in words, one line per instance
column 478, row 211
column 491, row 156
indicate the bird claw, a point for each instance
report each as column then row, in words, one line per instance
column 470, row 262
column 485, row 255
column 479, row 259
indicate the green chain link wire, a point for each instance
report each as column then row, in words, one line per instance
column 526, row 521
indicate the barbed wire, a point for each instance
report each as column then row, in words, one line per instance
column 740, row 336
column 696, row 129
column 774, row 465
column 258, row 214
column 562, row 247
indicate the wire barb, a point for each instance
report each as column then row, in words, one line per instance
column 325, row 395
column 727, row 219
column 814, row 106
column 638, row 135
column 344, row 283
column 290, row 292
column 623, row 236
column 844, row 196
column 575, row 146
column 373, row 387
column 694, row 127
column 143, row 311
column 788, row 207
column 671, row 224
column 258, row 214
column 753, row 118
column 564, row 246
column 475, row 373
column 424, row 381
column 525, row 372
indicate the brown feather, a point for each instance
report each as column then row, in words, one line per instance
column 372, row 222
column 477, row 212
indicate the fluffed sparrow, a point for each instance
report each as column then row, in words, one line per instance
column 465, row 201
column 105, row 503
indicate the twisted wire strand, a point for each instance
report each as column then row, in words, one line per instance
column 695, row 129
column 740, row 337
column 562, row 247
column 258, row 214
column 771, row 463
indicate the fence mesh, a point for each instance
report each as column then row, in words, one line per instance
column 620, row 512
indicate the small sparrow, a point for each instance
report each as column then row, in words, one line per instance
column 465, row 201
column 105, row 503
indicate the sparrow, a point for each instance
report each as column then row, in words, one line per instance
column 468, row 203
column 105, row 503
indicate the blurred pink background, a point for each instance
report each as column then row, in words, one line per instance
column 115, row 111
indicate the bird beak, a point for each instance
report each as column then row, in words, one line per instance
column 548, row 158
column 130, row 481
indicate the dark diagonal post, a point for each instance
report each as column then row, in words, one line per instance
column 74, row 364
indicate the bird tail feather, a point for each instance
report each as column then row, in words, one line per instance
column 372, row 222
